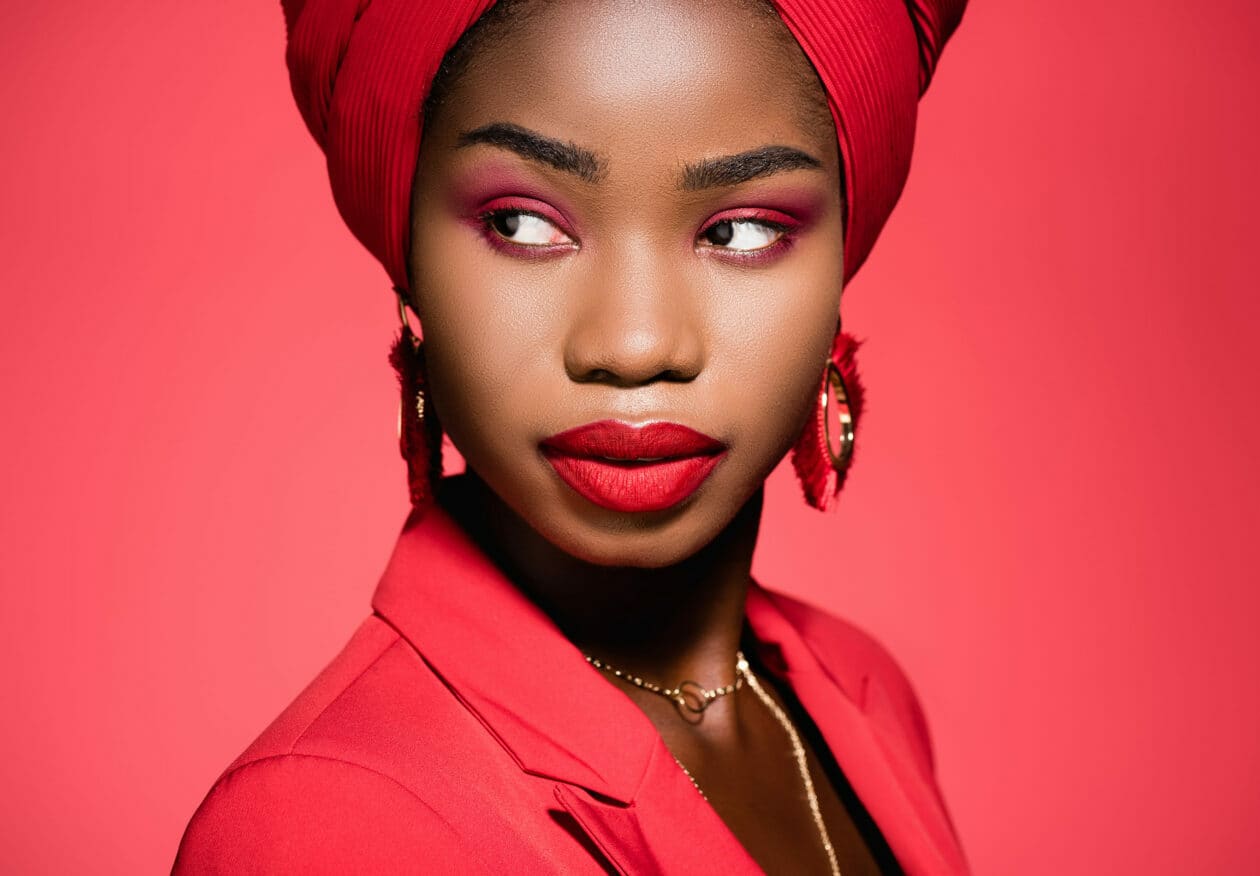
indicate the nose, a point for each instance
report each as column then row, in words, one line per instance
column 636, row 324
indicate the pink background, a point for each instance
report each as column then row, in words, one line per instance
column 1052, row 523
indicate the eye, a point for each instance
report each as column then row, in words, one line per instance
column 524, row 228
column 743, row 235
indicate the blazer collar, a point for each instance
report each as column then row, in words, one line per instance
column 531, row 688
column 509, row 663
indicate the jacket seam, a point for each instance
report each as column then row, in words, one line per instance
column 351, row 683
column 460, row 699
column 367, row 769
column 625, row 797
column 647, row 768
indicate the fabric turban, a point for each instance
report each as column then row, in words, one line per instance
column 360, row 70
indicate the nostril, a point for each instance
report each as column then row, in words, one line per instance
column 679, row 376
column 595, row 375
column 618, row 378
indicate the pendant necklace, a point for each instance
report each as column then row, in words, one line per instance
column 690, row 698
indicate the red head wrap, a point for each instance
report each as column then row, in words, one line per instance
column 361, row 69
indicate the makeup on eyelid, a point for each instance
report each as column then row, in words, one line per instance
column 478, row 197
column 485, row 216
column 473, row 188
column 783, row 235
column 777, row 222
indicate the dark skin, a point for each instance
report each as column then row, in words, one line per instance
column 570, row 264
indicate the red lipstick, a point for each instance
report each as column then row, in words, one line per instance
column 633, row 468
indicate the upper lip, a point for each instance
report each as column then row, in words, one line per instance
column 613, row 439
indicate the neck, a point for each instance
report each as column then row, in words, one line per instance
column 665, row 624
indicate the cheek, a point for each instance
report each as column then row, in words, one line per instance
column 773, row 355
column 486, row 333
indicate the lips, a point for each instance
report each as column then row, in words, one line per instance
column 633, row 468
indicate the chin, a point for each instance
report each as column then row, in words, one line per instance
column 651, row 540
column 630, row 549
column 590, row 533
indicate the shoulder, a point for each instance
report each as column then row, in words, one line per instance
column 306, row 813
column 865, row 668
column 314, row 793
column 368, row 647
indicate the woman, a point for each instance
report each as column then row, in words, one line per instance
column 624, row 228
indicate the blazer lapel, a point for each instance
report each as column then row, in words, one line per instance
column 877, row 763
column 614, row 829
column 669, row 828
column 508, row 663
column 556, row 716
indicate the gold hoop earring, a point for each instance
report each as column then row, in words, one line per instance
column 824, row 451
column 843, row 411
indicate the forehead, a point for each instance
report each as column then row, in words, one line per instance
column 687, row 77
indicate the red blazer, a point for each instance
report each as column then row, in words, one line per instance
column 459, row 732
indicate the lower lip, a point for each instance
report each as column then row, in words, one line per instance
column 646, row 486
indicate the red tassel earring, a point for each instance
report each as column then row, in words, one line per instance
column 824, row 451
column 419, row 433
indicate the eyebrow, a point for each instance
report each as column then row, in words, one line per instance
column 531, row 145
column 708, row 173
column 731, row 170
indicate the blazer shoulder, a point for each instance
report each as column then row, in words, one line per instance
column 371, row 641
column 302, row 813
column 313, row 792
column 861, row 664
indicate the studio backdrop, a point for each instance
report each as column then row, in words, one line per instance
column 1050, row 523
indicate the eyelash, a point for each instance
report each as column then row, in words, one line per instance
column 784, row 242
column 486, row 219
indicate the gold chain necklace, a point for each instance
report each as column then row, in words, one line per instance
column 688, row 695
column 691, row 696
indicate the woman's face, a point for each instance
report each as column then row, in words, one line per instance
column 629, row 212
